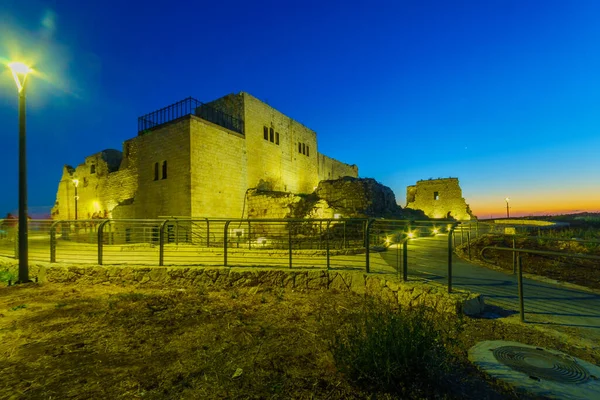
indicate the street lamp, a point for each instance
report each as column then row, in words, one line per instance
column 507, row 208
column 76, row 183
column 20, row 72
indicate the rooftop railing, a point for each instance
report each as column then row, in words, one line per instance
column 185, row 107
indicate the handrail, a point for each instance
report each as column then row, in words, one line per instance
column 563, row 240
column 540, row 252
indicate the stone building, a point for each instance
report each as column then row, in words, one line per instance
column 438, row 198
column 199, row 160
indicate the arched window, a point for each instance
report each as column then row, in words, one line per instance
column 155, row 171
column 164, row 170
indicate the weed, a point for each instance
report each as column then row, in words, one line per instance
column 6, row 276
column 60, row 305
column 19, row 307
column 400, row 352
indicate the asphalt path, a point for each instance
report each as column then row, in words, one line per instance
column 545, row 303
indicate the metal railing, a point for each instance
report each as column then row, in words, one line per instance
column 400, row 247
column 185, row 107
column 519, row 266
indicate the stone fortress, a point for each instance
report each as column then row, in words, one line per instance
column 439, row 198
column 199, row 160
column 235, row 157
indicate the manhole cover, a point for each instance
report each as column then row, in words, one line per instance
column 540, row 364
column 541, row 372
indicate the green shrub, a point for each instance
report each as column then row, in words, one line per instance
column 6, row 276
column 393, row 351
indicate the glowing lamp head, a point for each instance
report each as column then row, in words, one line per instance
column 411, row 235
column 507, row 199
column 19, row 71
column 435, row 231
column 76, row 182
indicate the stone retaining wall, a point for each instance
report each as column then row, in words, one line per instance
column 385, row 287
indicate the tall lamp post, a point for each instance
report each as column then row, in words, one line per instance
column 76, row 183
column 507, row 208
column 19, row 72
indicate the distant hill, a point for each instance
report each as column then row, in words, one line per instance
column 583, row 219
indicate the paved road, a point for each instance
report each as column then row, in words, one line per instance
column 545, row 303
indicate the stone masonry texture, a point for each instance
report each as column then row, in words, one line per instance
column 439, row 198
column 387, row 288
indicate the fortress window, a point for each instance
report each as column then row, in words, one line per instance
column 436, row 195
column 276, row 137
column 271, row 136
column 266, row 132
column 93, row 169
column 155, row 171
column 307, row 151
column 164, row 170
column 299, row 147
column 126, row 149
column 303, row 148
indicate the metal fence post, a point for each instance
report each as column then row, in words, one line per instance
column 249, row 239
column 290, row 243
column 469, row 243
column 450, row 241
column 514, row 245
column 397, row 256
column 368, row 245
column 53, row 241
column 405, row 260
column 161, row 243
column 520, row 283
column 207, row 233
column 462, row 239
column 224, row 241
column 101, row 240
column 327, row 243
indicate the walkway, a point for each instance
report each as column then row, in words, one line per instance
column 545, row 303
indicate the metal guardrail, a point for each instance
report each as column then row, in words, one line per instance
column 519, row 265
column 370, row 245
column 189, row 106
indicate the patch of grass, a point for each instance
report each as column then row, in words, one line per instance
column 400, row 352
column 6, row 276
column 19, row 307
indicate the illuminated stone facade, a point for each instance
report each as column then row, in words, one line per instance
column 438, row 198
column 190, row 166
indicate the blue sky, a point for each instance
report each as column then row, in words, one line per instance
column 504, row 95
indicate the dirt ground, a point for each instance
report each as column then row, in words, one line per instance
column 62, row 341
column 578, row 271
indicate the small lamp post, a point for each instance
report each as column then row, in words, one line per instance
column 76, row 183
column 20, row 72
column 507, row 208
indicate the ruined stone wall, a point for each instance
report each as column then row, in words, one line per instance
column 280, row 167
column 345, row 197
column 359, row 197
column 330, row 168
column 99, row 190
column 274, row 205
column 164, row 196
column 218, row 170
column 437, row 198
